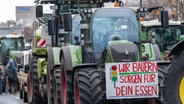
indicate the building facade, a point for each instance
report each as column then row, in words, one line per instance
column 25, row 12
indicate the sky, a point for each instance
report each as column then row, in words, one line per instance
column 7, row 8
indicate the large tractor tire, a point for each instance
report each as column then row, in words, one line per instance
column 172, row 84
column 57, row 78
column 87, row 86
column 50, row 85
column 66, row 84
column 33, row 84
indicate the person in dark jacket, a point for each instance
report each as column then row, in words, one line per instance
column 11, row 74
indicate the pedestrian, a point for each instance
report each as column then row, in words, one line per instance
column 11, row 75
column 1, row 79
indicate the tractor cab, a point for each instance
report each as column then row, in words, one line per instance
column 165, row 38
column 10, row 45
column 120, row 25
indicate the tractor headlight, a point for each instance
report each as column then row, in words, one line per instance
column 85, row 11
column 141, row 9
column 89, row 11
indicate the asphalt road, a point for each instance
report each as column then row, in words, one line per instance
column 10, row 99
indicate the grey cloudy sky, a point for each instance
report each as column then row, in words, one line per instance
column 7, row 8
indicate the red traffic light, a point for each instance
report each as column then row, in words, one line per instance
column 114, row 67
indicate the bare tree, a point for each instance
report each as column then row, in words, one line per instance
column 176, row 6
column 180, row 9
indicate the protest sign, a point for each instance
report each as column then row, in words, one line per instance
column 131, row 80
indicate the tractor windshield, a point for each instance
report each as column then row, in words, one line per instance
column 165, row 38
column 109, row 22
column 76, row 29
column 10, row 44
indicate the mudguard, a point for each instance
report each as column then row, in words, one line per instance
column 50, row 59
column 94, row 65
column 53, row 57
column 153, row 51
column 72, row 55
column 177, row 49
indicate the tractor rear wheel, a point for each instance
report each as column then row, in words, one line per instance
column 87, row 86
column 172, row 86
column 50, row 86
column 66, row 84
column 33, row 84
column 57, row 78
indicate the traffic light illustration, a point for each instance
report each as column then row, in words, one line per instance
column 114, row 74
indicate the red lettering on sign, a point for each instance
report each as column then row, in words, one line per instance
column 136, row 91
column 124, row 91
column 124, row 67
column 150, row 78
column 146, row 90
column 144, row 67
column 131, row 79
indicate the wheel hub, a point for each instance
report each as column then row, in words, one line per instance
column 182, row 90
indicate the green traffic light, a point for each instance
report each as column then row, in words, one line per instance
column 114, row 78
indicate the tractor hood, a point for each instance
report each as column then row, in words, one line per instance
column 122, row 51
column 16, row 55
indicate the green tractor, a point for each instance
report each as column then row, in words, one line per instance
column 101, row 67
column 46, row 47
column 170, row 42
column 11, row 47
column 165, row 38
column 173, row 82
column 36, row 84
column 102, row 61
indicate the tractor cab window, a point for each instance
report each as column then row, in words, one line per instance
column 12, row 44
column 166, row 38
column 113, row 23
column 76, row 29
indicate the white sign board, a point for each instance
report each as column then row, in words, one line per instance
column 131, row 80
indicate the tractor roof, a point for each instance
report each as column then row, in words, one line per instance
column 11, row 36
column 158, row 23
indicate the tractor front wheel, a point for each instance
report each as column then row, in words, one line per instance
column 66, row 84
column 172, row 86
column 57, row 79
column 33, row 84
column 50, row 87
column 87, row 86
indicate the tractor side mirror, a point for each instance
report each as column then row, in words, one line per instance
column 51, row 27
column 67, row 22
column 26, row 68
column 39, row 11
column 164, row 19
column 182, row 28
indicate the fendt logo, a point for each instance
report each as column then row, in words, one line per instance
column 41, row 43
